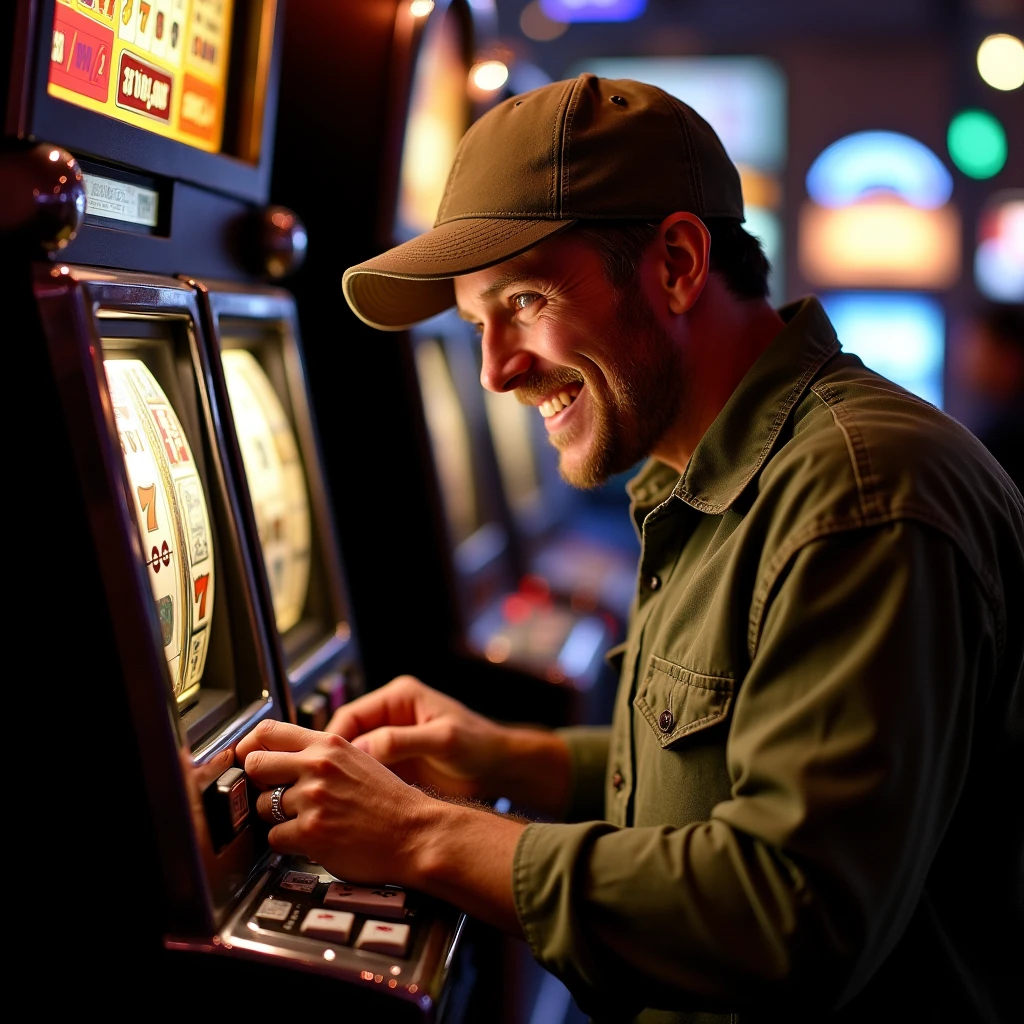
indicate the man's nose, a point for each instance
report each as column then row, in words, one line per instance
column 503, row 361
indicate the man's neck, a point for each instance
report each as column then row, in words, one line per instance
column 726, row 337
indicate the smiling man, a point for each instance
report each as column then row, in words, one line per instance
column 805, row 806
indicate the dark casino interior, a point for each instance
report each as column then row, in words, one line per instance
column 408, row 521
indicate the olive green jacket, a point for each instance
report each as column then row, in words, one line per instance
column 808, row 805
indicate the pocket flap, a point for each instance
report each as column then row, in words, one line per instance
column 677, row 702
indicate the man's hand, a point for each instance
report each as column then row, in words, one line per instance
column 433, row 741
column 350, row 814
column 346, row 811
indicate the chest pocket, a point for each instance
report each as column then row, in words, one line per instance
column 677, row 702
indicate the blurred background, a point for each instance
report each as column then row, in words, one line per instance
column 881, row 145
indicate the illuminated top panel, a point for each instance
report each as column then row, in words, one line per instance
column 160, row 65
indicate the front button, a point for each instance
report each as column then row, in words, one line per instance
column 666, row 721
column 654, row 583
column 617, row 781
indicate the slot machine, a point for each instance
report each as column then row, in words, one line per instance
column 180, row 546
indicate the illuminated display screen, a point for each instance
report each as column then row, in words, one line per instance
column 449, row 437
column 438, row 117
column 277, row 483
column 160, row 65
column 901, row 336
column 172, row 516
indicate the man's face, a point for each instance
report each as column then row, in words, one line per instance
column 594, row 361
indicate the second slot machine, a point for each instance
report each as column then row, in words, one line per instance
column 187, row 517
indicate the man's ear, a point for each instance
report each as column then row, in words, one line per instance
column 683, row 251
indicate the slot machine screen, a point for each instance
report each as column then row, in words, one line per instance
column 517, row 454
column 255, row 339
column 277, row 483
column 449, row 437
column 184, row 512
column 282, row 469
column 173, row 519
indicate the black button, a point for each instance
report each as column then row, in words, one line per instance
column 666, row 721
column 654, row 582
column 617, row 781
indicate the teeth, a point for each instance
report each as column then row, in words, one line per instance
column 561, row 401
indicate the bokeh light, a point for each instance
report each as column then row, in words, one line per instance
column 977, row 143
column 488, row 75
column 1001, row 61
column 536, row 25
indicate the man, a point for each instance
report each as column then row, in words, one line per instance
column 807, row 806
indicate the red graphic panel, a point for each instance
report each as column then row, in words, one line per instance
column 80, row 54
column 143, row 87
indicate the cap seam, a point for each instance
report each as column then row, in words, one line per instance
column 695, row 169
column 563, row 117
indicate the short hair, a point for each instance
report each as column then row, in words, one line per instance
column 735, row 254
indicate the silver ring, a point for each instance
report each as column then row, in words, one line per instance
column 275, row 804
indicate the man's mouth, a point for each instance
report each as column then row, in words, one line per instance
column 558, row 402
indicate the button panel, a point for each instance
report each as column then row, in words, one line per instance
column 312, row 903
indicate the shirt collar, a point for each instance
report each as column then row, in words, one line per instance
column 740, row 438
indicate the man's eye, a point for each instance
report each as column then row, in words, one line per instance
column 522, row 300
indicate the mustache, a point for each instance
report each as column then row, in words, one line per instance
column 539, row 385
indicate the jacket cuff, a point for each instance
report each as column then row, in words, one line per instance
column 588, row 760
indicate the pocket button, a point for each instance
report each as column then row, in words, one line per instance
column 666, row 721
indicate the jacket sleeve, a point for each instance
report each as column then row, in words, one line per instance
column 847, row 749
column 588, row 757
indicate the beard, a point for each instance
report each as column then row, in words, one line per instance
column 636, row 401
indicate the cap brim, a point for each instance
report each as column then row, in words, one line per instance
column 413, row 281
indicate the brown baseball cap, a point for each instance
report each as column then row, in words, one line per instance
column 588, row 148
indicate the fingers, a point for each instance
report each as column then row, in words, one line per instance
column 391, row 745
column 268, row 753
column 395, row 703
column 273, row 735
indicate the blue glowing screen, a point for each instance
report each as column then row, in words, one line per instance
column 593, row 10
column 872, row 163
column 899, row 335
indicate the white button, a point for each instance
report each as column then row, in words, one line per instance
column 383, row 937
column 273, row 910
column 380, row 902
column 333, row 925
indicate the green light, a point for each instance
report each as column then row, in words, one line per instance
column 977, row 143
